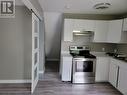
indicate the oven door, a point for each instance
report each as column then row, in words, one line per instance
column 83, row 70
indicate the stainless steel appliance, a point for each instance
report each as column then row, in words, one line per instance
column 84, row 65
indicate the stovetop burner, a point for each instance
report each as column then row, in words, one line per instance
column 81, row 52
column 83, row 55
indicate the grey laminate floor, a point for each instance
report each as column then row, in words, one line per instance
column 50, row 84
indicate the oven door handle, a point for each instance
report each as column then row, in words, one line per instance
column 83, row 59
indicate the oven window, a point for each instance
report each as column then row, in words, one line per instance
column 86, row 66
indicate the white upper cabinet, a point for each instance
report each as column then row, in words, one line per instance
column 68, row 30
column 115, row 31
column 101, row 31
column 112, row 31
column 84, row 25
column 125, row 25
column 71, row 25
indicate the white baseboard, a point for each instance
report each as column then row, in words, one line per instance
column 15, row 81
column 52, row 59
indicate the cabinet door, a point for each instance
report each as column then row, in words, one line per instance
column 115, row 29
column 89, row 25
column 101, row 31
column 125, row 25
column 113, row 73
column 68, row 30
column 61, row 65
column 102, row 69
column 84, row 25
column 66, row 68
column 122, row 83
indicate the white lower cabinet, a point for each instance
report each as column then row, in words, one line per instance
column 66, row 68
column 118, row 75
column 122, row 83
column 102, row 69
column 113, row 72
column 107, row 69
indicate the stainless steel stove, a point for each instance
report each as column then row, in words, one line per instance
column 84, row 64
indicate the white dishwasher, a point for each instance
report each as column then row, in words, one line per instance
column 66, row 67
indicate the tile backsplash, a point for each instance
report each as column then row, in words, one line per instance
column 122, row 48
column 81, row 40
column 97, row 47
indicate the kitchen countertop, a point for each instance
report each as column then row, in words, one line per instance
column 103, row 54
column 99, row 54
column 66, row 54
column 125, row 61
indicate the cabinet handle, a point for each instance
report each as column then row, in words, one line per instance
column 117, row 81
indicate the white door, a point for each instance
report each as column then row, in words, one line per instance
column 122, row 84
column 101, row 31
column 35, row 51
column 125, row 25
column 102, row 69
column 115, row 29
column 113, row 73
column 84, row 25
column 68, row 30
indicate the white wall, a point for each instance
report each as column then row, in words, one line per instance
column 53, row 29
column 16, row 46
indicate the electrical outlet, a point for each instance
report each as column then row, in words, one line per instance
column 115, row 50
column 103, row 49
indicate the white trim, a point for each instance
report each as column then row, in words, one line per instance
column 30, row 6
column 15, row 81
column 34, row 66
column 52, row 59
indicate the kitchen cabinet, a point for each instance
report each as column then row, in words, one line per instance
column 113, row 72
column 125, row 25
column 115, row 31
column 71, row 25
column 101, row 31
column 84, row 25
column 122, row 82
column 118, row 75
column 112, row 31
column 66, row 68
column 102, row 69
column 68, row 30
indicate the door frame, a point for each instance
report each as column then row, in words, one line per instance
column 35, row 52
column 30, row 6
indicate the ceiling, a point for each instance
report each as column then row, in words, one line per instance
column 83, row 6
